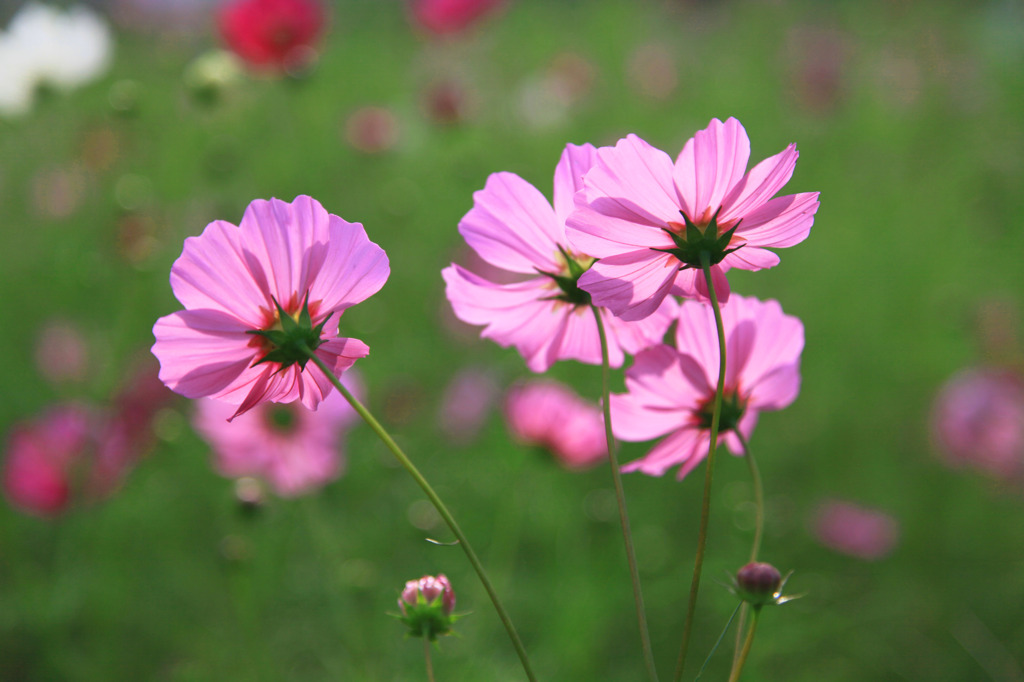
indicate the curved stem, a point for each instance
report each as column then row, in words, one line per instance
column 620, row 497
column 426, row 654
column 755, row 476
column 702, row 535
column 438, row 504
column 738, row 668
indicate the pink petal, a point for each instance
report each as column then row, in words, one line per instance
column 512, row 226
column 690, row 283
column 751, row 258
column 783, row 221
column 634, row 337
column 712, row 162
column 212, row 273
column 354, row 268
column 598, row 230
column 632, row 285
column 576, row 160
column 201, row 352
column 687, row 446
column 759, row 185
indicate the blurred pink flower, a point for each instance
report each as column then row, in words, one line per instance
column 272, row 33
column 466, row 403
column 234, row 280
column 978, row 420
column 445, row 17
column 294, row 450
column 62, row 353
column 857, row 531
column 548, row 414
column 372, row 130
column 67, row 454
column 545, row 316
column 647, row 219
column 672, row 391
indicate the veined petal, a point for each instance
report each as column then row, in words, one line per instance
column 212, row 272
column 687, row 447
column 751, row 258
column 632, row 285
column 576, row 160
column 712, row 162
column 512, row 226
column 580, row 340
column 658, row 380
column 783, row 221
column 759, row 185
column 201, row 352
column 355, row 268
column 636, row 336
column 776, row 389
column 600, row 230
column 634, row 422
column 632, row 181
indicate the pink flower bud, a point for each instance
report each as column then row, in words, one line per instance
column 758, row 583
column 427, row 606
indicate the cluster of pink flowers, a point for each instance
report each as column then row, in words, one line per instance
column 627, row 228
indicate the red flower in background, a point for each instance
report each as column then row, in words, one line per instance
column 443, row 17
column 271, row 33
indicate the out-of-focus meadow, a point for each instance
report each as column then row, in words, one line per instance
column 909, row 121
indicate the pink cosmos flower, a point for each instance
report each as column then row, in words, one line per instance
column 271, row 33
column 466, row 403
column 978, row 419
column 294, row 450
column 255, row 295
column 66, row 454
column 548, row 414
column 672, row 391
column 445, row 17
column 857, row 531
column 647, row 220
column 545, row 316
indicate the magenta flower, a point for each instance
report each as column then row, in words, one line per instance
column 550, row 415
column 257, row 295
column 671, row 392
column 294, row 450
column 856, row 531
column 427, row 605
column 647, row 220
column 446, row 17
column 69, row 453
column 546, row 317
column 272, row 33
column 978, row 419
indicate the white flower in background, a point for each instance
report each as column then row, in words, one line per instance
column 46, row 46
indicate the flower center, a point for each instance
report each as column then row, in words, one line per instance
column 281, row 418
column 692, row 240
column 291, row 338
column 733, row 406
column 568, row 278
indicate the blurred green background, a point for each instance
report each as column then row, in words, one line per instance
column 909, row 120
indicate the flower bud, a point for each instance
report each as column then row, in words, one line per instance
column 758, row 583
column 427, row 606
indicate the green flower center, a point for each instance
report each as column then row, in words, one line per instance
column 733, row 406
column 291, row 338
column 567, row 279
column 691, row 240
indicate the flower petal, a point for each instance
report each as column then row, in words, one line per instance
column 759, row 185
column 576, row 160
column 354, row 268
column 712, row 162
column 512, row 226
column 632, row 285
column 201, row 352
column 783, row 221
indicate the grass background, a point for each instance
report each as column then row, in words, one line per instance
column 909, row 122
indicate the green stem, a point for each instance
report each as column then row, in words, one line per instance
column 702, row 536
column 755, row 476
column 620, row 497
column 438, row 504
column 430, row 665
column 738, row 668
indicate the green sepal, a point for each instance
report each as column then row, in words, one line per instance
column 689, row 247
column 294, row 341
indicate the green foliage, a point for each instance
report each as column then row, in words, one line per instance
column 906, row 115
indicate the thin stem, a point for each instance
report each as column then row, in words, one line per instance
column 438, row 504
column 738, row 668
column 620, row 497
column 702, row 536
column 718, row 642
column 426, row 654
column 755, row 475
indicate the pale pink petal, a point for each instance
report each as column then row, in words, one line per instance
column 512, row 226
column 212, row 273
column 632, row 285
column 632, row 181
column 514, row 314
column 712, row 162
column 687, row 447
column 759, row 185
column 634, row 337
column 783, row 221
column 201, row 352
column 580, row 340
column 751, row 258
column 355, row 268
column 599, row 230
column 697, row 336
column 776, row 389
column 780, row 341
column 576, row 160
column 634, row 422
column 690, row 283
column 285, row 244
